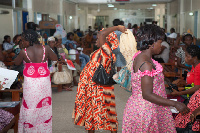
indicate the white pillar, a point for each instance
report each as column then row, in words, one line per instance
column 30, row 11
column 182, row 17
column 168, row 18
column 76, row 25
column 86, row 18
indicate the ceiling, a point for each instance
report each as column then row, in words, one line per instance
column 114, row 1
column 126, row 6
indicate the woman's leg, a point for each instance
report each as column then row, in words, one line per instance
column 91, row 131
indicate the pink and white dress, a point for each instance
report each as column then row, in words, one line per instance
column 142, row 116
column 36, row 109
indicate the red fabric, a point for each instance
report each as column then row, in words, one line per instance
column 194, row 75
column 36, row 70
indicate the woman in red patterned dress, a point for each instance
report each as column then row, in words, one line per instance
column 95, row 104
column 192, row 57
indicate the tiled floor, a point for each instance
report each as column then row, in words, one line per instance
column 63, row 103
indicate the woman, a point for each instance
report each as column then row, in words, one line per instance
column 72, row 45
column 180, row 53
column 97, row 102
column 63, row 53
column 36, row 109
column 146, row 109
column 192, row 57
column 7, row 45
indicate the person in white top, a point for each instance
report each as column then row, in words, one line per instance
column 164, row 53
column 173, row 34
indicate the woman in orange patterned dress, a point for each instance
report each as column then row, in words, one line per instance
column 95, row 104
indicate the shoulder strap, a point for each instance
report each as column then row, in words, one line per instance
column 43, row 54
column 27, row 56
column 144, row 63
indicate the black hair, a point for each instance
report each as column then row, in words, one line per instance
column 148, row 35
column 56, row 39
column 31, row 25
column 69, row 34
column 135, row 26
column 194, row 51
column 15, row 37
column 31, row 36
column 121, row 22
column 6, row 37
column 172, row 29
column 187, row 35
column 116, row 22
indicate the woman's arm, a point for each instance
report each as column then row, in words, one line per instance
column 51, row 55
column 147, row 92
column 194, row 114
column 104, row 33
column 181, row 65
column 190, row 91
column 18, row 60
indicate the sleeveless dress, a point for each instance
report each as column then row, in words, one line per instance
column 36, row 109
column 143, row 116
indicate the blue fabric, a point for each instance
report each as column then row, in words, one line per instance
column 84, row 60
column 70, row 42
column 64, row 40
column 120, row 60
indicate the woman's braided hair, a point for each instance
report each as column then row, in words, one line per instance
column 31, row 36
column 148, row 35
column 194, row 51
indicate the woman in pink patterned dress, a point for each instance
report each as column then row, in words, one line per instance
column 36, row 109
column 146, row 109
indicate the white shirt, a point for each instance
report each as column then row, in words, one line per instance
column 172, row 35
column 165, row 53
column 7, row 46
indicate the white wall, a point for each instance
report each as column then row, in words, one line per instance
column 6, row 25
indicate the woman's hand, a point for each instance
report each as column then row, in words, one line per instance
column 175, row 93
column 182, row 108
column 194, row 114
column 121, row 28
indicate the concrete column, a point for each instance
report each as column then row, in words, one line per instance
column 182, row 16
column 30, row 11
column 76, row 25
column 86, row 18
column 168, row 18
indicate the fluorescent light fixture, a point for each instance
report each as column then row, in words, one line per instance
column 115, row 8
column 111, row 5
column 79, row 9
column 150, row 8
column 70, row 17
column 139, row 9
column 191, row 14
column 121, row 9
column 154, row 5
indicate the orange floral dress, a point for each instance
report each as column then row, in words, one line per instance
column 95, row 104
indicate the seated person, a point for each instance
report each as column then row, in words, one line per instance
column 88, row 39
column 173, row 34
column 5, row 118
column 79, row 33
column 72, row 45
column 163, row 57
column 180, row 54
column 192, row 57
column 7, row 45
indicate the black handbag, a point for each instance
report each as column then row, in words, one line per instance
column 102, row 77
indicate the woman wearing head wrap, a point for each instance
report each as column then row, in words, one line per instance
column 36, row 109
column 95, row 103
